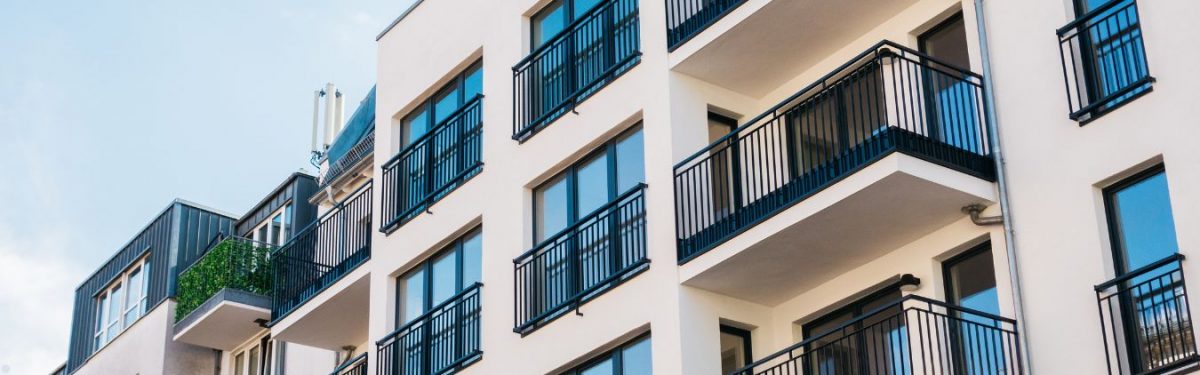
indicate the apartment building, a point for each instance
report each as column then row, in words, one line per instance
column 750, row 187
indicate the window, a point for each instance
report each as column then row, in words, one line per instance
column 554, row 18
column 629, row 359
column 947, row 89
column 735, row 348
column 601, row 177
column 970, row 281
column 1141, row 225
column 121, row 304
column 452, row 270
column 1105, row 54
column 276, row 229
column 724, row 157
column 837, row 351
column 449, row 99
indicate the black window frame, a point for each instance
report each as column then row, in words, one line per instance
column 428, row 105
column 609, row 149
column 615, row 354
column 746, row 336
column 948, row 280
column 426, row 266
column 1116, row 241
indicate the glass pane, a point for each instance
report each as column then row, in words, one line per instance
column 239, row 363
column 445, row 104
column 591, row 186
column 973, row 283
column 261, row 236
column 115, row 306
column 253, row 361
column 473, row 83
column 277, row 229
column 583, row 6
column 133, row 297
column 287, row 221
column 948, row 43
column 547, row 23
column 472, row 253
column 733, row 352
column 1144, row 225
column 412, row 295
column 603, row 368
column 635, row 359
column 550, row 201
column 631, row 165
column 445, row 277
column 414, row 126
column 102, row 312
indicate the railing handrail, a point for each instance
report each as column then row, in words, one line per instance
column 583, row 220
column 1177, row 257
column 355, row 155
column 823, row 82
column 871, row 314
column 567, row 30
column 474, row 101
column 316, row 223
column 1090, row 15
column 351, row 362
column 575, row 298
column 456, row 298
column 397, row 218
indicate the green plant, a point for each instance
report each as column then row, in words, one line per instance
column 235, row 263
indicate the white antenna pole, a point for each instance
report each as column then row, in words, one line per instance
column 341, row 113
column 316, row 111
column 330, row 102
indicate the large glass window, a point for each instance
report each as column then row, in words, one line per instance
column 451, row 271
column 970, row 281
column 554, row 18
column 632, row 358
column 735, row 348
column 120, row 304
column 1140, row 220
column 600, row 178
column 947, row 90
column 866, row 344
column 448, row 100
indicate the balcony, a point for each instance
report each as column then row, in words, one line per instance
column 578, row 264
column 1104, row 60
column 686, row 18
column 355, row 366
column 433, row 165
column 223, row 296
column 889, row 99
column 914, row 335
column 322, row 253
column 1146, row 320
column 443, row 340
column 591, row 52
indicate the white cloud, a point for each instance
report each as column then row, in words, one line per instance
column 36, row 285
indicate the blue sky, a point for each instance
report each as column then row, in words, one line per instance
column 111, row 109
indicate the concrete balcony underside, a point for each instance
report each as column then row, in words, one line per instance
column 334, row 318
column 891, row 202
column 225, row 320
column 779, row 38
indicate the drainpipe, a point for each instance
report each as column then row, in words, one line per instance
column 1006, row 215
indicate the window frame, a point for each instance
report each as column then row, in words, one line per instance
column 568, row 8
column 107, row 327
column 1117, row 249
column 570, row 174
column 428, row 105
column 284, row 212
column 426, row 268
column 745, row 335
column 615, row 354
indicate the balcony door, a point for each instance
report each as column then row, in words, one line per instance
column 946, row 91
column 877, row 344
column 1152, row 302
column 422, row 296
column 970, row 281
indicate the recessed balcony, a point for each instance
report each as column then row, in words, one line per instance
column 224, row 297
column 874, row 155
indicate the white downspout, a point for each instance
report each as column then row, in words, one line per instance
column 1005, row 210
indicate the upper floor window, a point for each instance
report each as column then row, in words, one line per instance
column 444, row 103
column 1104, row 57
column 452, row 270
column 586, row 186
column 275, row 229
column 555, row 17
column 632, row 358
column 121, row 303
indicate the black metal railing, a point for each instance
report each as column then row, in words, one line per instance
column 365, row 147
column 913, row 335
column 355, row 366
column 322, row 252
column 433, row 165
column 1104, row 59
column 440, row 341
column 1146, row 319
column 889, row 98
column 686, row 18
column 602, row 250
column 594, row 50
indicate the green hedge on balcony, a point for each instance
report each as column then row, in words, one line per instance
column 235, row 263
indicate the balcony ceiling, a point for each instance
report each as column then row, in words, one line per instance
column 335, row 318
column 779, row 41
column 893, row 202
column 224, row 321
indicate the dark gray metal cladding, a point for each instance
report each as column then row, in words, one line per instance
column 296, row 188
column 173, row 240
